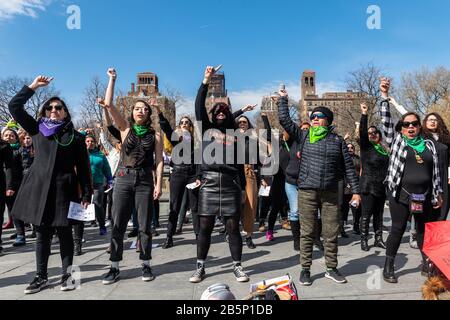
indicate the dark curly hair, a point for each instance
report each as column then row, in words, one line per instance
column 442, row 130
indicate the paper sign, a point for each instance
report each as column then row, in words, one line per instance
column 264, row 191
column 134, row 245
column 77, row 212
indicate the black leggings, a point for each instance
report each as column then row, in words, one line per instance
column 44, row 235
column 372, row 206
column 19, row 224
column 204, row 236
column 399, row 215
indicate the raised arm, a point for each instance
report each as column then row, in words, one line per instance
column 364, row 141
column 247, row 108
column 266, row 123
column 159, row 166
column 285, row 119
column 17, row 105
column 119, row 120
column 163, row 122
column 385, row 111
column 200, row 108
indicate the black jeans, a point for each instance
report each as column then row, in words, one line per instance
column 2, row 209
column 399, row 214
column 133, row 188
column 372, row 206
column 44, row 235
column 179, row 178
column 100, row 215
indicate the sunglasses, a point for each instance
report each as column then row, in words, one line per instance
column 407, row 124
column 318, row 116
column 373, row 133
column 57, row 108
column 185, row 122
column 243, row 122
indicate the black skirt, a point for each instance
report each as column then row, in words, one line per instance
column 219, row 195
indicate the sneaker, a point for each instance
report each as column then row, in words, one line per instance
column 107, row 223
column 269, row 235
column 13, row 236
column 319, row 245
column 222, row 230
column 8, row 225
column 130, row 223
column 147, row 274
column 249, row 242
column 111, row 277
column 198, row 275
column 168, row 243
column 133, row 233
column 262, row 226
column 413, row 241
column 240, row 275
column 37, row 285
column 305, row 277
column 218, row 223
column 285, row 225
column 20, row 241
column 103, row 231
column 179, row 231
column 335, row 275
column 67, row 282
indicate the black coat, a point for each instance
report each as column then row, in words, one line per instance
column 324, row 163
column 59, row 174
column 6, row 162
column 443, row 155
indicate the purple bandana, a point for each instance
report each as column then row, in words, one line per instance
column 50, row 127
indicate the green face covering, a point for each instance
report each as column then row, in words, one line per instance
column 140, row 130
column 417, row 143
column 379, row 148
column 317, row 133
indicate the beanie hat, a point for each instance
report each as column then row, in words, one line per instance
column 327, row 112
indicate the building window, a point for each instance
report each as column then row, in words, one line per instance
column 311, row 82
column 306, row 81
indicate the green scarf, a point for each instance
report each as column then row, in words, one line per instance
column 380, row 149
column 418, row 143
column 140, row 130
column 15, row 146
column 317, row 133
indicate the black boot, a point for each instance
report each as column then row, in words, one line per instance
column 295, row 228
column 356, row 229
column 168, row 243
column 77, row 249
column 388, row 272
column 379, row 240
column 365, row 233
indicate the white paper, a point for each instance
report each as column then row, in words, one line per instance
column 264, row 192
column 192, row 185
column 134, row 245
column 77, row 212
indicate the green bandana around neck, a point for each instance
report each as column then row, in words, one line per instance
column 15, row 146
column 417, row 143
column 380, row 149
column 140, row 130
column 317, row 133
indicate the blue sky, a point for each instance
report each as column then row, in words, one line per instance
column 260, row 43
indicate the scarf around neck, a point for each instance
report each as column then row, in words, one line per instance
column 140, row 130
column 417, row 143
column 380, row 149
column 15, row 146
column 317, row 133
column 49, row 127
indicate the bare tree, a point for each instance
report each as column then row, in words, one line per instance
column 10, row 86
column 424, row 89
column 173, row 95
column 90, row 111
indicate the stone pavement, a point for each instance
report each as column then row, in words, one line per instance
column 174, row 266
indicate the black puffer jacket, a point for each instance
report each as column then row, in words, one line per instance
column 324, row 163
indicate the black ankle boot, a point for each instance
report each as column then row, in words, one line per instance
column 168, row 243
column 388, row 272
column 379, row 240
column 364, row 244
column 295, row 228
column 77, row 249
column 356, row 229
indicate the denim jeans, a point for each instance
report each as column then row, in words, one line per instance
column 134, row 188
column 292, row 194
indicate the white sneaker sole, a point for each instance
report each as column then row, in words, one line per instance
column 108, row 282
column 243, row 279
column 35, row 290
column 331, row 278
column 148, row 279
